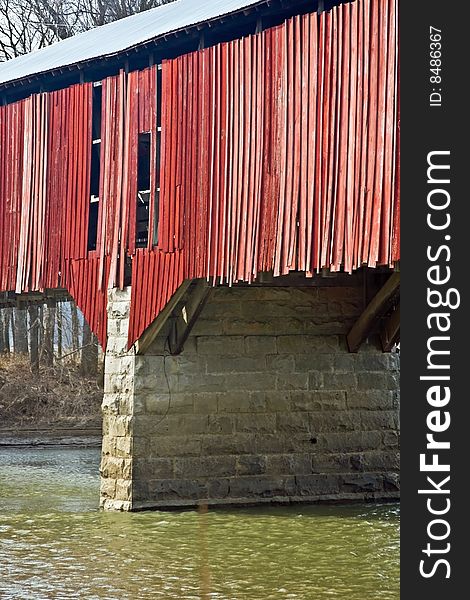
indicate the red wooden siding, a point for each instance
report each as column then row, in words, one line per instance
column 280, row 151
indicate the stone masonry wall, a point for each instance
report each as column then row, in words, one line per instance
column 264, row 404
column 117, row 408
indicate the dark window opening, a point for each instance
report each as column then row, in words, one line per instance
column 95, row 171
column 96, row 112
column 156, row 208
column 159, row 96
column 95, row 168
column 93, row 225
column 143, row 191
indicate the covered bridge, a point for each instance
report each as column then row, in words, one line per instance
column 216, row 184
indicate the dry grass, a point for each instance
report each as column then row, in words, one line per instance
column 57, row 397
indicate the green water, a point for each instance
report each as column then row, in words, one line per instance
column 54, row 544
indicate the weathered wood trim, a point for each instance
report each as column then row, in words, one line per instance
column 187, row 314
column 156, row 326
column 376, row 308
column 390, row 333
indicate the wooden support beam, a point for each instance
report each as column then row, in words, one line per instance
column 390, row 334
column 156, row 326
column 376, row 308
column 187, row 314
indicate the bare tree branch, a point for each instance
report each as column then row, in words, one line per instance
column 27, row 25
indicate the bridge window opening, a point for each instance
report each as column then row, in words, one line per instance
column 95, row 166
column 156, row 208
column 143, row 190
column 96, row 110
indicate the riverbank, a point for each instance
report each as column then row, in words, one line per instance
column 26, row 438
column 57, row 407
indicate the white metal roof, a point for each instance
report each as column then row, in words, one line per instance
column 119, row 36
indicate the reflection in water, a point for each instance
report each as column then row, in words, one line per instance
column 55, row 544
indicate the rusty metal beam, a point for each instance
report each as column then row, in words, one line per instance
column 376, row 308
column 187, row 314
column 390, row 333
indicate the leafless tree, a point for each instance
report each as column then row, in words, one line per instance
column 27, row 25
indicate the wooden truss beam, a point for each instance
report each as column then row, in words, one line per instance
column 187, row 314
column 390, row 333
column 143, row 344
column 377, row 308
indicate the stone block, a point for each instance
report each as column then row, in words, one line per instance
column 205, row 403
column 115, row 468
column 277, row 401
column 316, row 380
column 185, row 364
column 241, row 402
column 391, row 439
column 391, row 482
column 351, row 441
column 251, row 464
column 317, row 485
column 221, row 424
column 110, row 404
column 331, row 463
column 220, row 346
column 123, row 490
column 361, row 482
column 203, row 326
column 377, row 381
column 124, row 447
column 307, row 344
column 236, row 364
column 108, row 445
column 250, row 382
column 162, row 404
column 255, row 423
column 292, row 381
column 218, row 488
column 145, row 469
column 370, row 399
column 270, row 443
column 250, row 326
column 237, row 443
column 378, row 361
column 190, row 468
column 140, row 446
column 117, row 345
column 314, row 362
column 177, row 445
column 119, row 309
column 119, row 426
column 293, row 422
column 318, row 400
column 183, row 383
column 335, row 420
column 184, row 425
column 260, row 345
column 381, row 461
column 378, row 419
column 108, row 487
column 288, row 464
column 262, row 487
column 178, row 489
column 339, row 381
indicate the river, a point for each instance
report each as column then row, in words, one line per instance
column 55, row 544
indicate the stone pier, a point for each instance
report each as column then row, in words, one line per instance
column 264, row 404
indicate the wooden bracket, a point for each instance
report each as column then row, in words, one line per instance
column 186, row 315
column 142, row 345
column 390, row 334
column 375, row 310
